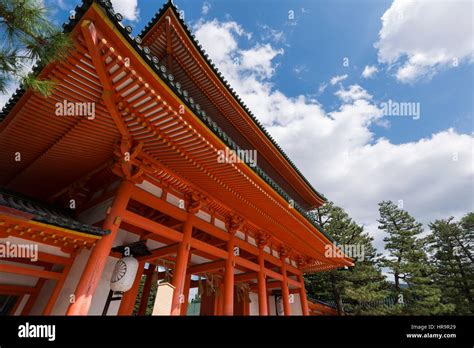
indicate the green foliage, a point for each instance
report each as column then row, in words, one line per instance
column 432, row 274
column 451, row 247
column 355, row 289
column 408, row 261
column 28, row 37
column 151, row 297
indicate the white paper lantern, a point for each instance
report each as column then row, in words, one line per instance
column 124, row 274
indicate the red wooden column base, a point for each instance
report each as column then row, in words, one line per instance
column 228, row 294
column 180, row 269
column 262, row 285
column 285, row 291
column 304, row 300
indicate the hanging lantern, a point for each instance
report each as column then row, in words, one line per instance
column 124, row 274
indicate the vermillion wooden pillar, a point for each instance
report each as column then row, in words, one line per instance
column 262, row 284
column 219, row 306
column 95, row 265
column 187, row 285
column 129, row 297
column 229, row 276
column 146, row 293
column 233, row 223
column 182, row 256
column 304, row 301
column 285, row 291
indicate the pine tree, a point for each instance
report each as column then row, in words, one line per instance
column 354, row 290
column 407, row 260
column 28, row 37
column 451, row 245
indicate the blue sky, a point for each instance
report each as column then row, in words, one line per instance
column 323, row 34
column 418, row 52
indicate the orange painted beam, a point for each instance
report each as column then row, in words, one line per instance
column 151, row 226
column 245, row 277
column 90, row 36
column 50, row 258
column 273, row 274
column 207, row 267
column 38, row 273
column 161, row 205
column 247, row 264
column 215, row 231
column 293, row 282
column 207, row 248
column 160, row 252
column 16, row 289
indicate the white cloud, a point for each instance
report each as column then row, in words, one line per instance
column 337, row 78
column 322, row 87
column 205, row 8
column 259, row 59
column 352, row 94
column 369, row 71
column 62, row 5
column 127, row 8
column 421, row 37
column 336, row 149
column 270, row 34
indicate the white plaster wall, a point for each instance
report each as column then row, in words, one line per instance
column 271, row 305
column 296, row 305
column 96, row 213
column 203, row 216
column 149, row 187
column 253, row 303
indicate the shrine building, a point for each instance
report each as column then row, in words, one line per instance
column 112, row 191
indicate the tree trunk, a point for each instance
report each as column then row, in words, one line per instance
column 337, row 296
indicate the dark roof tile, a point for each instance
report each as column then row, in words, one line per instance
column 48, row 214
